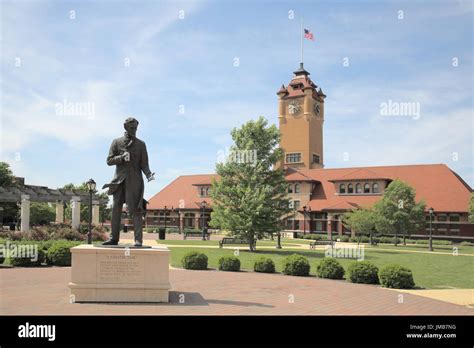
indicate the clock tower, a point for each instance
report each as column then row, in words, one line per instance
column 301, row 117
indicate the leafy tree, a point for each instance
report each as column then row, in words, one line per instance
column 362, row 221
column 250, row 198
column 471, row 208
column 11, row 210
column 7, row 179
column 42, row 213
column 398, row 211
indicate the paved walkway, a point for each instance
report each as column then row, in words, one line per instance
column 44, row 291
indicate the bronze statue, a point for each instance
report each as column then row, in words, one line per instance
column 130, row 157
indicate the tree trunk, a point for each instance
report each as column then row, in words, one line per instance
column 251, row 244
column 396, row 237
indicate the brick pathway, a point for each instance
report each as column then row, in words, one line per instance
column 36, row 291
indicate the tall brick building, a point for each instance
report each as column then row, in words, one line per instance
column 321, row 195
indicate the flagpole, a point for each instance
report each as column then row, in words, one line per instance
column 301, row 34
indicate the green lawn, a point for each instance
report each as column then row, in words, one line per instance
column 196, row 241
column 431, row 271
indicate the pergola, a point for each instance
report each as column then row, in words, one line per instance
column 31, row 193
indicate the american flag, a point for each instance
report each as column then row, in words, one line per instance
column 308, row 35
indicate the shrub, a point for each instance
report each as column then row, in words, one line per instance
column 194, row 260
column 343, row 238
column 229, row 263
column 59, row 253
column 330, row 268
column 363, row 272
column 296, row 265
column 264, row 265
column 397, row 277
column 312, row 236
column 467, row 243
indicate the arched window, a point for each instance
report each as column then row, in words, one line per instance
column 366, row 188
column 203, row 191
column 358, row 188
column 208, row 190
column 342, row 188
column 297, row 188
column 350, row 188
column 290, row 189
column 375, row 188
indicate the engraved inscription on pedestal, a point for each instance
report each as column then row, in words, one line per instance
column 119, row 268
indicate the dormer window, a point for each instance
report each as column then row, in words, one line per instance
column 342, row 188
column 204, row 191
column 358, row 188
column 375, row 188
column 366, row 188
column 350, row 188
column 297, row 188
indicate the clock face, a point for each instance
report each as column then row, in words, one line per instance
column 293, row 107
column 316, row 108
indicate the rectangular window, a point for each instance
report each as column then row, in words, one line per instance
column 442, row 218
column 454, row 218
column 296, row 205
column 316, row 158
column 293, row 157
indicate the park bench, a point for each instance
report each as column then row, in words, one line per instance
column 235, row 241
column 187, row 235
column 313, row 245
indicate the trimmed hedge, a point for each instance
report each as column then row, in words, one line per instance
column 264, row 265
column 397, row 277
column 59, row 253
column 194, row 260
column 229, row 263
column 330, row 268
column 364, row 272
column 343, row 238
column 296, row 265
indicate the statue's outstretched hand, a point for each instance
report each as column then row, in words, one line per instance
column 151, row 177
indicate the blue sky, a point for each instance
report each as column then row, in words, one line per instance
column 48, row 57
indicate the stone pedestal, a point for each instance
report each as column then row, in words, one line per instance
column 117, row 274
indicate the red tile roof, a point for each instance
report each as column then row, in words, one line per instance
column 181, row 193
column 436, row 184
column 360, row 174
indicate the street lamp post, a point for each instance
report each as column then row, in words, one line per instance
column 203, row 206
column 310, row 221
column 91, row 186
column 165, row 211
column 430, row 246
column 304, row 220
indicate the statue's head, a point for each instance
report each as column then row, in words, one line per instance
column 131, row 126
